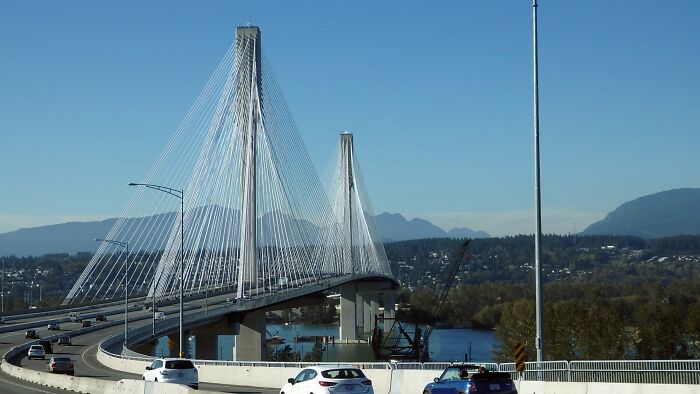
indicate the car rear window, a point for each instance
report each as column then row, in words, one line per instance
column 179, row 364
column 342, row 373
column 37, row 347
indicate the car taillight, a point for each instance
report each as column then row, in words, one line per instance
column 326, row 384
column 53, row 365
column 472, row 387
column 367, row 382
column 72, row 364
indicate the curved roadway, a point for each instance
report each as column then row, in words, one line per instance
column 83, row 352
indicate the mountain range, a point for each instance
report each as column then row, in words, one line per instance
column 73, row 237
column 663, row 214
column 667, row 213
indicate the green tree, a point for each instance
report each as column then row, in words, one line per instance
column 517, row 325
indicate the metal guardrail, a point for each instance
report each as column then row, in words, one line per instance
column 634, row 371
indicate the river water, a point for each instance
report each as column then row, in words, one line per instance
column 457, row 344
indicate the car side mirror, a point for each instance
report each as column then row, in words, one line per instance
column 436, row 380
column 148, row 368
column 291, row 380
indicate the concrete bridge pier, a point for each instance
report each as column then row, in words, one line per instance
column 174, row 341
column 371, row 309
column 359, row 315
column 250, row 338
column 389, row 297
column 206, row 346
column 348, row 312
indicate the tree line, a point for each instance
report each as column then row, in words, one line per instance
column 605, row 297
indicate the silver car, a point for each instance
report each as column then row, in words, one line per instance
column 36, row 351
column 61, row 365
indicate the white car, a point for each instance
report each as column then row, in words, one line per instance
column 36, row 351
column 173, row 370
column 329, row 379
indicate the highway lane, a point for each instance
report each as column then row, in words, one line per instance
column 11, row 385
column 83, row 351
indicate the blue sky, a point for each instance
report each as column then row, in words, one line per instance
column 438, row 95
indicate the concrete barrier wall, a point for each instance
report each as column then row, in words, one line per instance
column 97, row 386
column 392, row 381
column 527, row 387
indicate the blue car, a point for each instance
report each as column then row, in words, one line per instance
column 471, row 379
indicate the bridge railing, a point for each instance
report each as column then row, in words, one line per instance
column 611, row 371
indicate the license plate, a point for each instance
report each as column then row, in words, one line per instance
column 494, row 386
column 347, row 387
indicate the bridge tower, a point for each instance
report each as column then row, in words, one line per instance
column 248, row 104
column 358, row 301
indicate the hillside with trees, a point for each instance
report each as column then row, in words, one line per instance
column 605, row 297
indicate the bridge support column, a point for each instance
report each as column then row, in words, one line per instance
column 206, row 347
column 389, row 310
column 250, row 339
column 367, row 314
column 348, row 314
column 359, row 315
column 373, row 312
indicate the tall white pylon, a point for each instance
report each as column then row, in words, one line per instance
column 248, row 102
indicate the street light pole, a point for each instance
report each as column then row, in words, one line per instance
column 126, row 285
column 179, row 193
column 539, row 340
column 3, row 284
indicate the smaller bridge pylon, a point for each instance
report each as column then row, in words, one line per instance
column 361, row 248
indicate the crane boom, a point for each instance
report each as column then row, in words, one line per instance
column 462, row 254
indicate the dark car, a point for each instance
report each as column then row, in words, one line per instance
column 47, row 346
column 61, row 365
column 64, row 340
column 87, row 323
column 32, row 334
column 471, row 379
column 101, row 318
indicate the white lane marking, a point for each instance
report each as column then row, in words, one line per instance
column 85, row 361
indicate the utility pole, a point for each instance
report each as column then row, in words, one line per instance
column 538, row 205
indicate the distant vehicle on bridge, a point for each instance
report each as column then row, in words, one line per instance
column 329, row 379
column 31, row 334
column 61, row 365
column 36, row 351
column 53, row 327
column 74, row 317
column 46, row 344
column 160, row 315
column 458, row 379
column 64, row 340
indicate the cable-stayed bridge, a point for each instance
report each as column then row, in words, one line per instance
column 255, row 219
column 255, row 222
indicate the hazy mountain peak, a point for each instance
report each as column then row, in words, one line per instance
column 667, row 213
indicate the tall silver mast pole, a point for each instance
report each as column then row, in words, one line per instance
column 538, row 206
